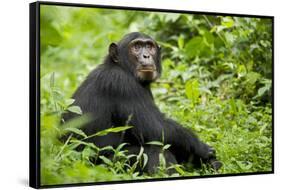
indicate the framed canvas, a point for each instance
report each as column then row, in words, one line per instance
column 122, row 94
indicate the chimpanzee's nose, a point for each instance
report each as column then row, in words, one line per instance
column 146, row 56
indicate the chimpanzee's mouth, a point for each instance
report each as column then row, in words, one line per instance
column 146, row 70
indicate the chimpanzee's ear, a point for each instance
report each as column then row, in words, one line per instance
column 113, row 52
column 159, row 47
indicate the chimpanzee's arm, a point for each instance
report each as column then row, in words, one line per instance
column 185, row 144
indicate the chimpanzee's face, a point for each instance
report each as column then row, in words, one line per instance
column 139, row 54
column 143, row 53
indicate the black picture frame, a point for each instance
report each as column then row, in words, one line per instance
column 34, row 90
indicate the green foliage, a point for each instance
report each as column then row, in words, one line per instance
column 192, row 90
column 216, row 80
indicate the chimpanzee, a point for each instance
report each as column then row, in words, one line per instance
column 118, row 91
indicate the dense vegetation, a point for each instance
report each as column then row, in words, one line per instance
column 216, row 80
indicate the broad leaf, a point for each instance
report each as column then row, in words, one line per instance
column 75, row 109
column 192, row 90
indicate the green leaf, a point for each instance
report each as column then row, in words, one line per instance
column 166, row 146
column 57, row 95
column 120, row 146
column 106, row 160
column 244, row 165
column 262, row 90
column 87, row 152
column 209, row 37
column 68, row 102
column 178, row 169
column 241, row 71
column 76, row 131
column 263, row 128
column 194, row 46
column 162, row 160
column 230, row 38
column 145, row 159
column 77, row 142
column 228, row 22
column 155, row 143
column 52, row 80
column 140, row 153
column 75, row 109
column 78, row 121
column 107, row 148
column 192, row 90
column 180, row 42
column 168, row 63
column 112, row 130
column 233, row 107
column 252, row 77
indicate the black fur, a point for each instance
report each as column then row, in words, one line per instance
column 111, row 94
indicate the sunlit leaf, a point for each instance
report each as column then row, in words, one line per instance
column 75, row 109
column 155, row 143
column 192, row 90
column 77, row 131
column 112, row 130
column 227, row 22
column 68, row 102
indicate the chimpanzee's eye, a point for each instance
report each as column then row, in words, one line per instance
column 149, row 46
column 137, row 47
